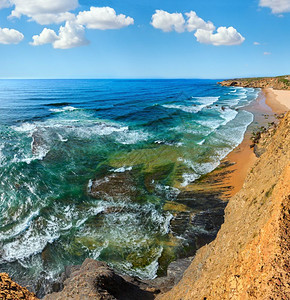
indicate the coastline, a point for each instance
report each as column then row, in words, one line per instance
column 268, row 104
column 243, row 156
column 249, row 257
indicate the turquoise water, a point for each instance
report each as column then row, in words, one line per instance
column 88, row 166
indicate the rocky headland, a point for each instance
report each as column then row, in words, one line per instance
column 278, row 83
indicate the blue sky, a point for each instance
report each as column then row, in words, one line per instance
column 102, row 43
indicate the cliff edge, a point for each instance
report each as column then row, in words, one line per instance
column 250, row 258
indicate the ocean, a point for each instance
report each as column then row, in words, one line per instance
column 88, row 167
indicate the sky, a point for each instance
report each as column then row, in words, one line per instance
column 144, row 39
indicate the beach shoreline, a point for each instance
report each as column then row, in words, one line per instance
column 268, row 104
column 278, row 100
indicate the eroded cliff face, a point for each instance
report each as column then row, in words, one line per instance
column 250, row 258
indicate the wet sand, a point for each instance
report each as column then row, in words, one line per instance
column 229, row 177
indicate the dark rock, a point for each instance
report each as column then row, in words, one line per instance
column 96, row 280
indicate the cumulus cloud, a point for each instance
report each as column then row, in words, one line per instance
column 73, row 33
column 103, row 18
column 10, row 36
column 43, row 11
column 47, row 36
column 4, row 3
column 45, row 19
column 194, row 22
column 204, row 30
column 168, row 22
column 277, row 6
column 256, row 43
column 70, row 36
column 47, row 12
column 224, row 36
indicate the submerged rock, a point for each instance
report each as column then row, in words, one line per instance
column 116, row 186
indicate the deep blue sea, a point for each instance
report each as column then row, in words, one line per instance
column 87, row 167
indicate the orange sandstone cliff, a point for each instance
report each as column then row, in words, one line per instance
column 250, row 258
column 9, row 290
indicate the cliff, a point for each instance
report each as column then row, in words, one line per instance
column 278, row 83
column 250, row 257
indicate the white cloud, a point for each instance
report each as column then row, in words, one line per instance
column 4, row 3
column 45, row 19
column 10, row 36
column 168, row 22
column 256, row 43
column 70, row 36
column 194, row 22
column 224, row 36
column 44, row 11
column 277, row 6
column 103, row 18
column 204, row 30
column 47, row 36
column 267, row 53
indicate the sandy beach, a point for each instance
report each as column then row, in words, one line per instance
column 242, row 158
column 278, row 100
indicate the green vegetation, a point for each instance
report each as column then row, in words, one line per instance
column 285, row 80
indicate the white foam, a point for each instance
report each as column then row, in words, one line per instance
column 170, row 192
column 2, row 156
column 207, row 100
column 189, row 109
column 122, row 169
column 18, row 229
column 97, row 129
column 63, row 109
column 40, row 154
column 228, row 115
column 188, row 178
column 150, row 271
column 132, row 137
column 201, row 142
column 61, row 138
column 198, row 104
column 90, row 184
column 32, row 242
column 25, row 127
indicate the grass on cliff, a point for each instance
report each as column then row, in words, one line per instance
column 284, row 79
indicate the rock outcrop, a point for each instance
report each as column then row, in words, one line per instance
column 250, row 257
column 278, row 83
column 9, row 290
column 95, row 280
